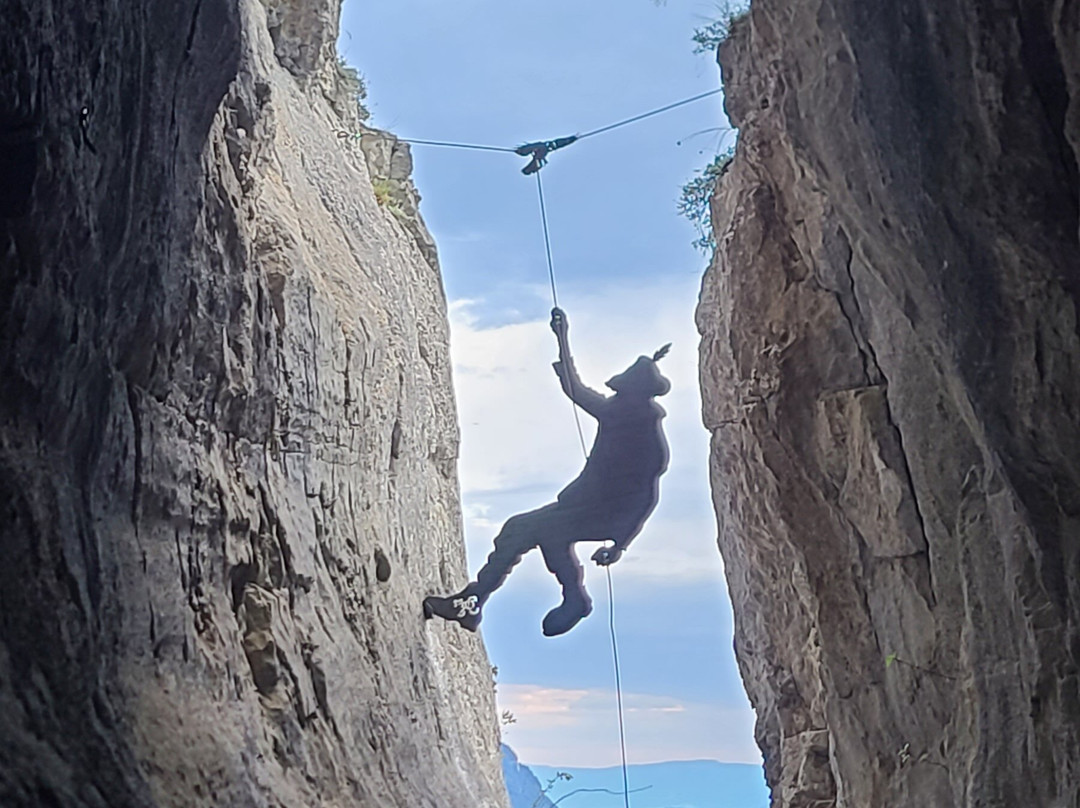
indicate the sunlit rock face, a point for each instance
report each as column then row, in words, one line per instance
column 227, row 433
column 890, row 365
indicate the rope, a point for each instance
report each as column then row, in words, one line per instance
column 555, row 298
column 608, row 128
column 648, row 114
column 450, row 145
column 547, row 241
column 607, row 569
column 618, row 688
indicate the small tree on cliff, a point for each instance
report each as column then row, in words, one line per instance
column 712, row 34
column 694, row 200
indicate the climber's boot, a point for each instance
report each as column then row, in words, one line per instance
column 462, row 608
column 576, row 606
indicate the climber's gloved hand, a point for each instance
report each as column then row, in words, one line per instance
column 558, row 323
column 606, row 556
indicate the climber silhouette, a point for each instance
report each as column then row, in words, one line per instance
column 609, row 500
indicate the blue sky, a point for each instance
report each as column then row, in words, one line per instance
column 481, row 71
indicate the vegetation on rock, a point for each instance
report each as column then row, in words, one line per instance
column 694, row 199
column 710, row 36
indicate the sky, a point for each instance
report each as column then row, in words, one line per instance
column 498, row 73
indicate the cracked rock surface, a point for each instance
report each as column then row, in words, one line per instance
column 890, row 365
column 228, row 438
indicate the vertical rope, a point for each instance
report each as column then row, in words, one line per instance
column 547, row 242
column 555, row 298
column 607, row 569
column 618, row 688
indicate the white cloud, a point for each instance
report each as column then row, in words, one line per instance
column 519, row 442
column 571, row 727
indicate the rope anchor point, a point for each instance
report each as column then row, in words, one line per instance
column 539, row 150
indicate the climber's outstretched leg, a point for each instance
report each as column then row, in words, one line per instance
column 560, row 558
column 519, row 534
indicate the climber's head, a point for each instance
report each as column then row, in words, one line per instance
column 642, row 378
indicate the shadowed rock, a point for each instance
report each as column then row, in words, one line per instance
column 890, row 367
column 210, row 332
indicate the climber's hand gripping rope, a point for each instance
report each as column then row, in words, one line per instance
column 606, row 556
column 560, row 326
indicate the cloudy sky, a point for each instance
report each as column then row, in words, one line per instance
column 490, row 72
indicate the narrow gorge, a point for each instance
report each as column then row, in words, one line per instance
column 228, row 438
column 229, row 441
column 891, row 374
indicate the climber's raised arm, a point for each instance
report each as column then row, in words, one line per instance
column 586, row 398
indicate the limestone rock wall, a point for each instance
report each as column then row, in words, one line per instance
column 890, row 364
column 228, row 439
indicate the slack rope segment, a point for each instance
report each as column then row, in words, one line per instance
column 618, row 688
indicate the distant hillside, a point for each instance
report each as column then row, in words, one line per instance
column 521, row 784
column 674, row 784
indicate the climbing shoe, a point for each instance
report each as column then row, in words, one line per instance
column 566, row 615
column 463, row 609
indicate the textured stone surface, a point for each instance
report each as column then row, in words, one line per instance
column 891, row 374
column 227, row 433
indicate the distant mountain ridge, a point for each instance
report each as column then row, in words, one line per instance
column 671, row 784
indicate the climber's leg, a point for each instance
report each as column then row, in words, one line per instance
column 560, row 558
column 518, row 535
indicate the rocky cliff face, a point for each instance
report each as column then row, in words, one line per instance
column 891, row 371
column 227, row 431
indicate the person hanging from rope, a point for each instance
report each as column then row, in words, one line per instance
column 609, row 500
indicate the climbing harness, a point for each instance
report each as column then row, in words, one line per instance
column 538, row 153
